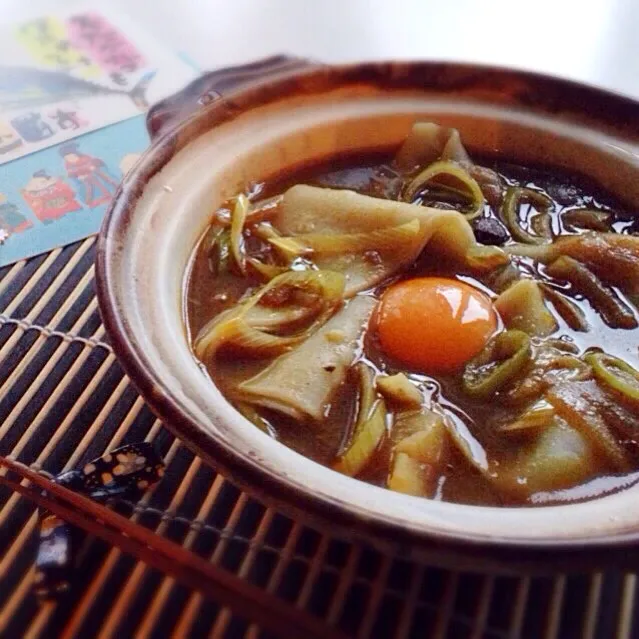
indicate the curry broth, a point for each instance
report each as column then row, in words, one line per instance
column 209, row 294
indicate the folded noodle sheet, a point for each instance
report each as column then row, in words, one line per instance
column 302, row 382
column 309, row 212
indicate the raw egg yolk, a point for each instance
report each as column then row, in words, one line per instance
column 434, row 324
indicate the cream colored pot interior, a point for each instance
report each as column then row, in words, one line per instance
column 177, row 205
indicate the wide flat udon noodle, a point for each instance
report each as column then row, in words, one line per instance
column 309, row 210
column 302, row 382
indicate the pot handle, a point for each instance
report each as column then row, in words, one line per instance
column 214, row 85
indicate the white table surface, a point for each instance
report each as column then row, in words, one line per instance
column 594, row 41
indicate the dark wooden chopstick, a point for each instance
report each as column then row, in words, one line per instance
column 172, row 559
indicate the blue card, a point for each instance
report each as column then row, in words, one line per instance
column 74, row 87
column 59, row 195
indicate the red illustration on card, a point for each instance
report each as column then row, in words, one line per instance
column 49, row 197
column 96, row 183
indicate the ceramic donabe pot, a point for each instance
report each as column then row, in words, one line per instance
column 253, row 123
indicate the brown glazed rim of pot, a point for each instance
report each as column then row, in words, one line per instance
column 522, row 89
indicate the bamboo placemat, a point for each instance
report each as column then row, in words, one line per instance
column 64, row 400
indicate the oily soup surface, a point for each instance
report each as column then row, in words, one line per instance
column 541, row 410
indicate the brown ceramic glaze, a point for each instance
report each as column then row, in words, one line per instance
column 259, row 120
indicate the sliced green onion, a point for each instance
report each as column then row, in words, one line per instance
column 563, row 345
column 551, row 366
column 447, row 168
column 542, row 252
column 591, row 219
column 540, row 414
column 522, row 307
column 468, row 445
column 408, row 475
column 398, row 388
column 264, row 209
column 219, row 250
column 288, row 247
column 614, row 312
column 515, row 196
column 420, row 455
column 266, row 271
column 265, row 231
column 569, row 310
column 446, row 194
column 501, row 361
column 489, row 182
column 579, row 403
column 238, row 218
column 370, row 426
column 257, row 343
column 235, row 325
column 252, row 414
column 269, row 318
column 485, row 258
column 500, row 280
column 615, row 374
column 409, row 422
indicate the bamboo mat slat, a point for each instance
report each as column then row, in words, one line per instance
column 64, row 400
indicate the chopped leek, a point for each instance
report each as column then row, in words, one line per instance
column 288, row 248
column 219, row 250
column 614, row 257
column 452, row 170
column 266, row 271
column 550, row 366
column 251, row 413
column 468, row 445
column 420, row 452
column 612, row 309
column 566, row 308
column 256, row 342
column 489, row 182
column 238, row 219
column 540, row 414
column 501, row 279
column 485, row 258
column 398, row 388
column 369, row 429
column 522, row 307
column 591, row 219
column 427, row 444
column 267, row 318
column 513, row 199
column 579, row 405
column 409, row 476
column 235, row 326
column 501, row 361
column 409, row 422
column 615, row 374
